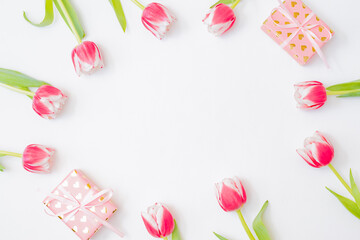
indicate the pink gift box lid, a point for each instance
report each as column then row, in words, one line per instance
column 300, row 47
column 82, row 224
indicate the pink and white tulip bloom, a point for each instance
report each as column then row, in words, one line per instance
column 157, row 19
column 230, row 194
column 86, row 58
column 220, row 19
column 37, row 158
column 158, row 221
column 310, row 95
column 318, row 151
column 48, row 101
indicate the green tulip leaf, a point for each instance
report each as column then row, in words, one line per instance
column 175, row 234
column 68, row 13
column 354, row 190
column 49, row 15
column 116, row 4
column 19, row 80
column 350, row 205
column 224, row 2
column 351, row 94
column 345, row 86
column 259, row 226
column 2, row 168
column 219, row 236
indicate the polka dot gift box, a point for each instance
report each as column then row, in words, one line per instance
column 81, row 205
column 298, row 30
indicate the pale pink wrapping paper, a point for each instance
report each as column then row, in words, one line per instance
column 300, row 48
column 78, row 185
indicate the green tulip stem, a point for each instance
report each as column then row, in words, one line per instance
column 11, row 154
column 251, row 236
column 138, row 4
column 22, row 91
column 340, row 178
column 340, row 92
column 68, row 18
column 165, row 238
column 235, row 4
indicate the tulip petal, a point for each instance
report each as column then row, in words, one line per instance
column 157, row 19
column 219, row 19
column 150, row 225
column 305, row 155
column 165, row 221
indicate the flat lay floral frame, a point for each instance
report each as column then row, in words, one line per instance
column 303, row 98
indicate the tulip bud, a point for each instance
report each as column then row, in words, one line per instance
column 48, row 101
column 157, row 19
column 220, row 19
column 86, row 58
column 318, row 152
column 230, row 194
column 310, row 95
column 37, row 158
column 158, row 221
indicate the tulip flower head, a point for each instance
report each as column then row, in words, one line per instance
column 157, row 19
column 158, row 221
column 318, row 151
column 86, row 58
column 37, row 158
column 310, row 95
column 220, row 19
column 230, row 194
column 48, row 101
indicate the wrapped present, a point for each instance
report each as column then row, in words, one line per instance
column 81, row 205
column 298, row 30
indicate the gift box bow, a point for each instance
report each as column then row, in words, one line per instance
column 74, row 206
column 301, row 27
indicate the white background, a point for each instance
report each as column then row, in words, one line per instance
column 165, row 120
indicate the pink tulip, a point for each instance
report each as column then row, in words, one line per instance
column 157, row 19
column 220, row 19
column 86, row 58
column 310, row 95
column 318, row 152
column 48, row 101
column 158, row 221
column 37, row 158
column 230, row 194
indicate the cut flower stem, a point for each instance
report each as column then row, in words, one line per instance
column 340, row 178
column 6, row 153
column 138, row 4
column 68, row 19
column 243, row 222
column 341, row 92
column 235, row 4
column 22, row 91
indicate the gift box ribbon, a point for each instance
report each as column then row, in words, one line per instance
column 74, row 206
column 306, row 29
